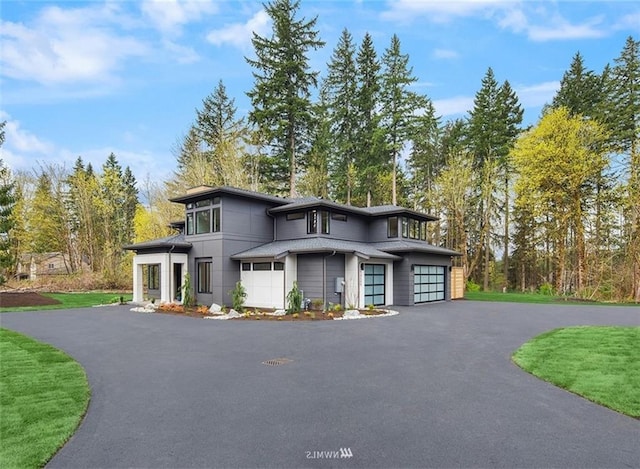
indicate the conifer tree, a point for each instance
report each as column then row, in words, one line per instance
column 399, row 105
column 7, row 203
column 369, row 137
column 281, row 96
column 339, row 89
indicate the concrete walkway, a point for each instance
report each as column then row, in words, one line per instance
column 431, row 387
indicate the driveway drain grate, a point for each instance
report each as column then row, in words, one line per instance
column 277, row 361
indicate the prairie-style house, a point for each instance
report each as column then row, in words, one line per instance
column 336, row 253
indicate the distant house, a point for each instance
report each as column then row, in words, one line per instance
column 32, row 266
column 336, row 253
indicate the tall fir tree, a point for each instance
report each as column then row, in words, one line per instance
column 399, row 105
column 370, row 140
column 281, row 96
column 493, row 128
column 580, row 90
column 623, row 122
column 339, row 89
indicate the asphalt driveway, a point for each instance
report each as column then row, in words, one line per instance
column 431, row 387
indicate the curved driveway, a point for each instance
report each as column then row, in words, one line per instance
column 432, row 387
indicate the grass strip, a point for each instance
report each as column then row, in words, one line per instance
column 600, row 363
column 44, row 394
column 73, row 300
column 536, row 298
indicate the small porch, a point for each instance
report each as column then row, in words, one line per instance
column 159, row 269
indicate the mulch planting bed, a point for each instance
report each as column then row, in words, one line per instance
column 20, row 299
column 260, row 315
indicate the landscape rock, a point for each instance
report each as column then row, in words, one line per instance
column 215, row 308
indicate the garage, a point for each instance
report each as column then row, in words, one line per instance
column 264, row 283
column 428, row 283
column 374, row 284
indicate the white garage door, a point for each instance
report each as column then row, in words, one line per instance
column 428, row 283
column 264, row 283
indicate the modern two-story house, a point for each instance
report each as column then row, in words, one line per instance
column 336, row 253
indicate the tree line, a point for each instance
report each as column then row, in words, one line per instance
column 554, row 206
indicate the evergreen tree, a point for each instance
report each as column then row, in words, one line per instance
column 339, row 89
column 623, row 121
column 370, row 154
column 281, row 95
column 118, row 201
column 399, row 105
column 315, row 181
column 580, row 90
column 7, row 203
column 492, row 129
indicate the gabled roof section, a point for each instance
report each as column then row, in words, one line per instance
column 280, row 249
column 167, row 243
column 199, row 192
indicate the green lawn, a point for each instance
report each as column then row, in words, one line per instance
column 75, row 300
column 515, row 297
column 600, row 363
column 43, row 395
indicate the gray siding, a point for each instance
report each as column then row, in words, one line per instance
column 354, row 229
column 378, row 230
column 244, row 224
column 403, row 276
column 310, row 270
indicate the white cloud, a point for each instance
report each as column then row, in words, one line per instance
column 169, row 16
column 240, row 34
column 445, row 54
column 440, row 11
column 559, row 28
column 66, row 46
column 453, row 106
column 21, row 147
column 537, row 95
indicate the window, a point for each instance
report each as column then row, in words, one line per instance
column 339, row 216
column 295, row 216
column 51, row 266
column 405, row 227
column 261, row 266
column 246, row 266
column 203, row 221
column 216, row 219
column 204, row 276
column 203, row 216
column 315, row 218
column 423, row 230
column 278, row 266
column 153, row 277
column 189, row 223
column 392, row 227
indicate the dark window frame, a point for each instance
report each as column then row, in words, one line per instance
column 295, row 216
column 153, row 276
column 204, row 269
column 392, row 227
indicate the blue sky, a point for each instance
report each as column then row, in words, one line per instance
column 90, row 78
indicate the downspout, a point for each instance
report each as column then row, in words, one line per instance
column 324, row 278
column 274, row 224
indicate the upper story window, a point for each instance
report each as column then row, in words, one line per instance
column 339, row 216
column 392, row 227
column 412, row 228
column 295, row 216
column 203, row 216
column 318, row 221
